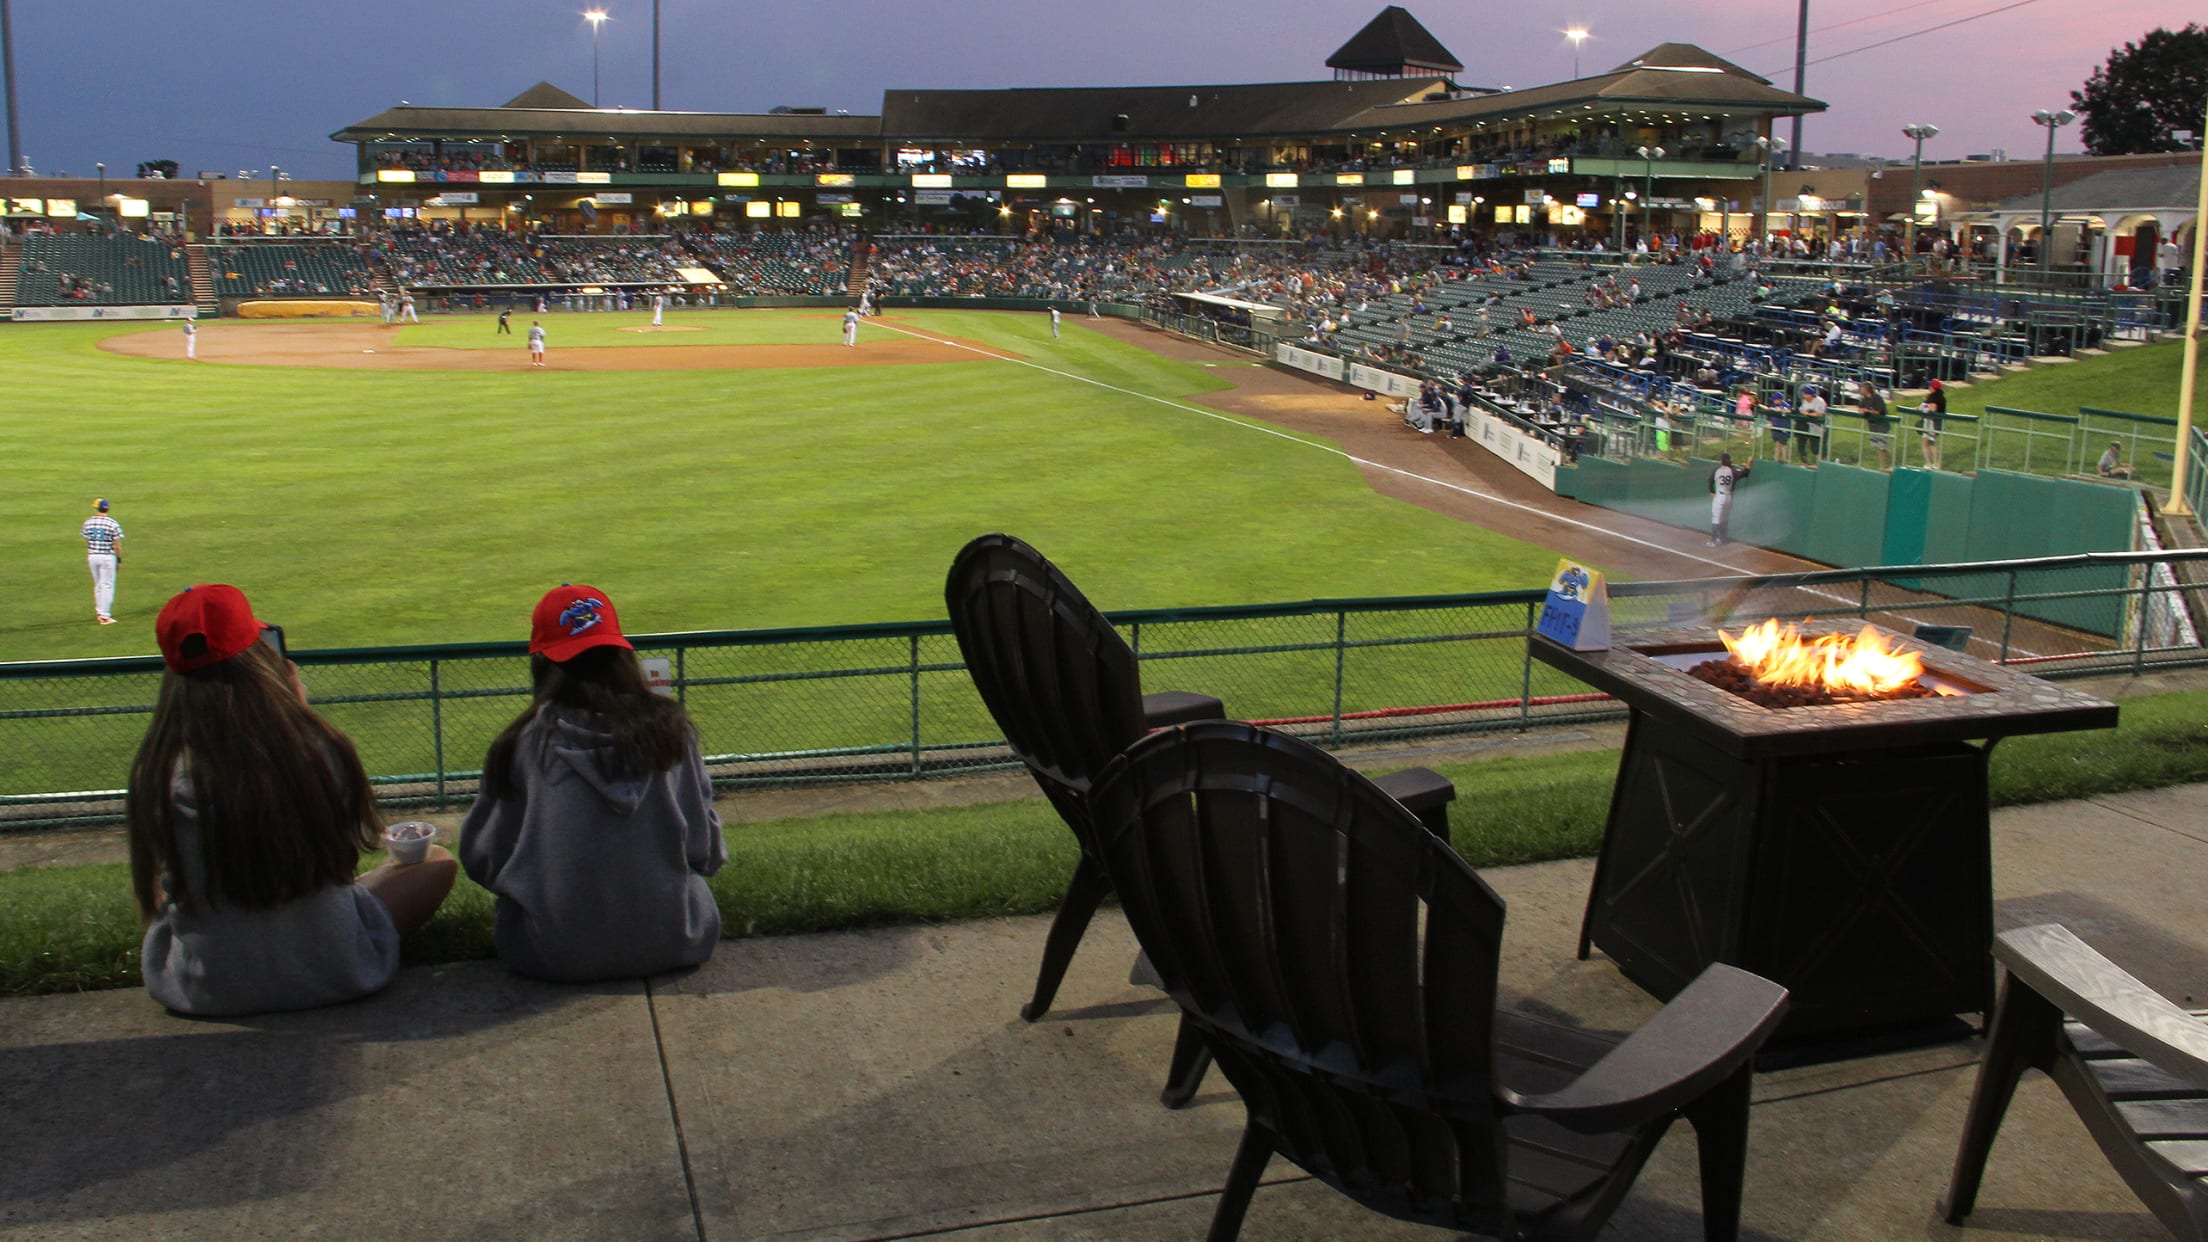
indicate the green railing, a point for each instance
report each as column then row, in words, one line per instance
column 893, row 701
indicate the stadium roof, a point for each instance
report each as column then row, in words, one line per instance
column 1151, row 113
column 2170, row 188
column 544, row 95
column 1673, row 76
column 407, row 121
column 1394, row 43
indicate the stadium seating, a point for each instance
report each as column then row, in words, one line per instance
column 283, row 269
column 69, row 269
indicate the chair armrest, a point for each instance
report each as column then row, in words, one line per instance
column 1704, row 1036
column 2076, row 979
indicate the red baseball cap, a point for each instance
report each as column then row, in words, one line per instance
column 215, row 613
column 570, row 620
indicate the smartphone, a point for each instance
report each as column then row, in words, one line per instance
column 273, row 635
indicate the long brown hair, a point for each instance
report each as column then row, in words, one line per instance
column 650, row 733
column 284, row 805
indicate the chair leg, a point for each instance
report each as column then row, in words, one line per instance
column 1083, row 894
column 1250, row 1160
column 1191, row 1057
column 2024, row 1029
column 1720, row 1120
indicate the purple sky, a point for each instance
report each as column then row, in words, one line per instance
column 226, row 84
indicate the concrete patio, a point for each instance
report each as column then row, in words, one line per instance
column 880, row 1084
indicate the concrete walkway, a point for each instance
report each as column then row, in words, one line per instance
column 881, row 1085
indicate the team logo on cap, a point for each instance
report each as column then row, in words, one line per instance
column 581, row 615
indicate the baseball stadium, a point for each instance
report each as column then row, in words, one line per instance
column 1306, row 514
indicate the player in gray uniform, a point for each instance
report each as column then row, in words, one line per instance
column 536, row 343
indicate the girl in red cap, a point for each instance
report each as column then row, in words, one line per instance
column 247, row 815
column 1930, row 416
column 595, row 824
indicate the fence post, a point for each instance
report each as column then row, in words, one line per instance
column 2146, row 600
column 1525, row 674
column 1863, row 608
column 437, row 728
column 2008, row 617
column 1341, row 631
column 682, row 676
column 914, row 642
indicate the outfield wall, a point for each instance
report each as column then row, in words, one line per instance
column 1843, row 515
column 65, row 314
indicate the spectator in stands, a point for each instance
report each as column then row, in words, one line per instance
column 247, row 814
column 595, row 825
column 1931, row 416
column 1880, row 424
column 1809, row 425
column 2112, row 462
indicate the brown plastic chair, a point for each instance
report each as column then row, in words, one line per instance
column 2133, row 1065
column 1340, row 963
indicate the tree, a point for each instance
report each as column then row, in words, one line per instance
column 157, row 168
column 2147, row 90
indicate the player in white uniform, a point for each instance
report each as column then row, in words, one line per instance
column 659, row 308
column 1054, row 323
column 191, row 340
column 536, row 343
column 406, row 310
column 851, row 326
column 101, row 535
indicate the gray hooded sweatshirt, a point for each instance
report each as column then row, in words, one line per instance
column 596, row 878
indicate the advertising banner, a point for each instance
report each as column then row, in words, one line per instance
column 1386, row 383
column 1527, row 453
column 57, row 314
column 1121, row 183
column 1326, row 365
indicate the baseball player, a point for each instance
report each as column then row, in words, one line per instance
column 191, row 340
column 1722, row 481
column 406, row 310
column 101, row 535
column 1054, row 323
column 536, row 343
column 505, row 328
column 851, row 326
column 659, row 308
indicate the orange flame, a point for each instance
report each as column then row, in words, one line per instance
column 1864, row 664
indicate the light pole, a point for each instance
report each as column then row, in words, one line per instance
column 1649, row 156
column 103, row 185
column 275, row 175
column 2053, row 119
column 1773, row 148
column 1916, row 170
column 1578, row 35
column 597, row 19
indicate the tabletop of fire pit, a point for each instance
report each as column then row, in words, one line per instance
column 1647, row 669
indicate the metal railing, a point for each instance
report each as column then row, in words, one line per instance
column 893, row 701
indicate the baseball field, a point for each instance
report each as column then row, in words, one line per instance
column 368, row 485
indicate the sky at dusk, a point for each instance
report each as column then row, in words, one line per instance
column 230, row 85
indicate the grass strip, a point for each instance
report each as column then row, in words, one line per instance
column 73, row 928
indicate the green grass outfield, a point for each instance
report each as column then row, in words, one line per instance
column 369, row 508
column 597, row 329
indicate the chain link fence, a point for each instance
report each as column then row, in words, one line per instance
column 894, row 701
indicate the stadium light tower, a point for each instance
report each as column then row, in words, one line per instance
column 1578, row 35
column 1916, row 171
column 1649, row 156
column 2053, row 119
column 7, row 63
column 597, row 19
column 1772, row 147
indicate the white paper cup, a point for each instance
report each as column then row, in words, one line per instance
column 409, row 842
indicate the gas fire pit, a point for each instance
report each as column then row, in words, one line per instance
column 1840, row 848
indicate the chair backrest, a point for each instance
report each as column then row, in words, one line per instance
column 1340, row 959
column 1060, row 681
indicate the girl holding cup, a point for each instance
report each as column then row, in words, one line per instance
column 247, row 814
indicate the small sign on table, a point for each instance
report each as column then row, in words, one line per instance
column 1577, row 612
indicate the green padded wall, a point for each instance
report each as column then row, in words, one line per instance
column 1771, row 509
column 2019, row 515
column 1908, row 512
column 1847, row 517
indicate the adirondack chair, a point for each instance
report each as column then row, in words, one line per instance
column 1066, row 690
column 2133, row 1065
column 1341, row 963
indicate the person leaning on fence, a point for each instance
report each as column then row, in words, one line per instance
column 595, row 825
column 246, row 816
column 1877, row 421
column 2112, row 462
column 1931, row 416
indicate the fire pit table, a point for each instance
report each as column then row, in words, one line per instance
column 1841, row 850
